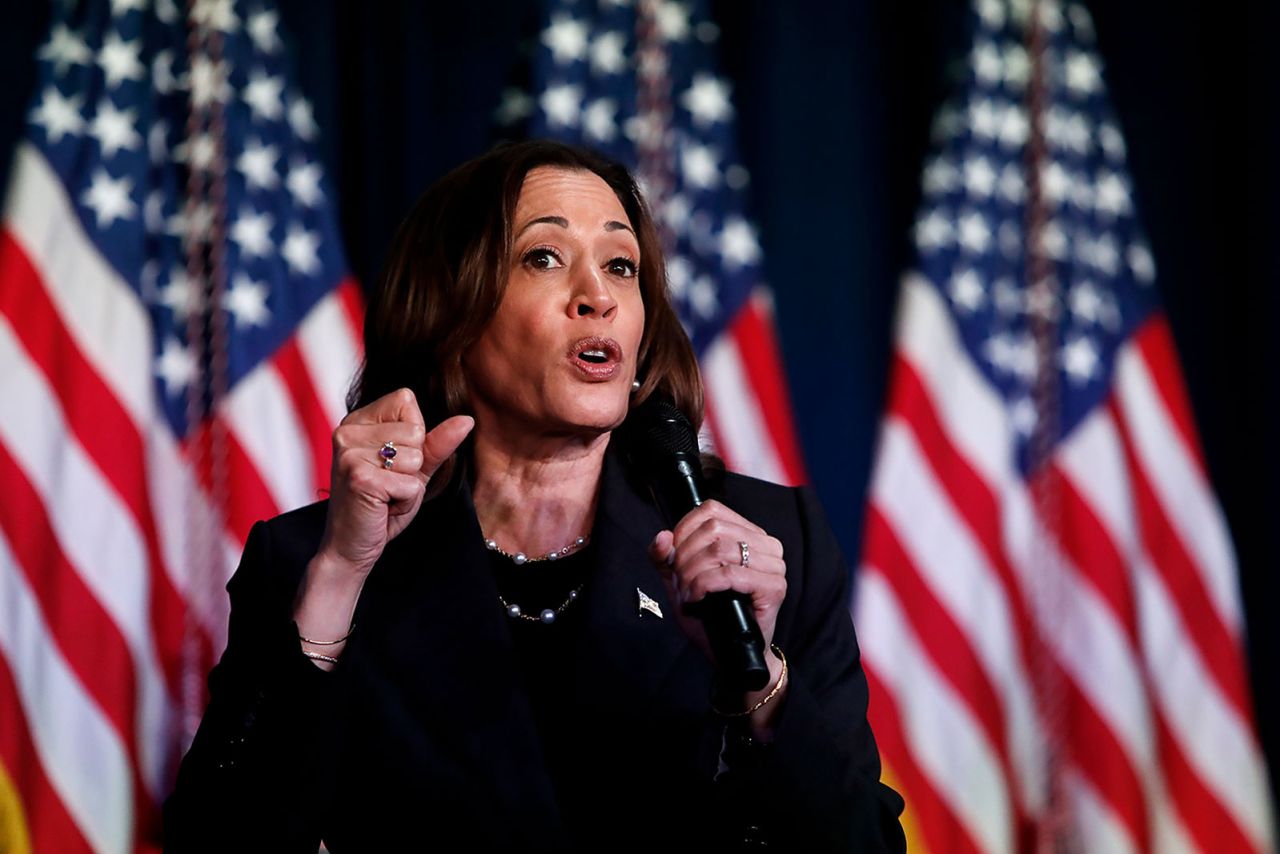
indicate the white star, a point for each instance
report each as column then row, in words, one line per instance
column 121, row 7
column 974, row 234
column 1017, row 67
column 1067, row 130
column 1012, row 187
column 1055, row 184
column 199, row 152
column 300, row 250
column 698, row 163
column 703, row 297
column 208, row 82
column 598, row 121
column 119, row 60
column 193, row 223
column 946, row 124
column 986, row 63
column 1085, row 302
column 153, row 213
column 1080, row 360
column 1010, row 236
column 979, row 177
column 984, row 118
column 562, row 104
column 262, row 29
column 252, row 233
column 516, row 104
column 167, row 11
column 1112, row 142
column 736, row 176
column 1081, row 22
column 262, row 93
column 933, row 232
column 64, row 49
column 1021, row 359
column 676, row 211
column 303, row 182
column 247, row 302
column 1081, row 73
column 1023, row 416
column 738, row 244
column 1014, row 127
column 679, row 275
column 672, row 20
column 1054, row 241
column 640, row 129
column 175, row 367
column 1042, row 300
column 1050, row 16
column 940, row 176
column 1141, row 263
column 162, row 72
column 1007, row 297
column 109, row 198
column 301, row 119
column 58, row 116
column 216, row 15
column 606, row 53
column 114, row 129
column 179, row 296
column 1106, row 255
column 258, row 163
column 566, row 38
column 707, row 99
column 991, row 12
column 966, row 290
column 1112, row 194
column 999, row 350
column 1082, row 195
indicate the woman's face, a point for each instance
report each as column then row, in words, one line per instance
column 560, row 354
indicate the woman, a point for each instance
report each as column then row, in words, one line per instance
column 480, row 637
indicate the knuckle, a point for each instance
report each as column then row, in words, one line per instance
column 404, row 396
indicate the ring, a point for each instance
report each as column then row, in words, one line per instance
column 746, row 552
column 388, row 454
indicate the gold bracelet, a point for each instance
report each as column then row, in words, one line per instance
column 329, row 643
column 782, row 678
column 316, row 656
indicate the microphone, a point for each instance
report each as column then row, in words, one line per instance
column 666, row 442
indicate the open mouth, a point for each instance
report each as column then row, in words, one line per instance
column 596, row 350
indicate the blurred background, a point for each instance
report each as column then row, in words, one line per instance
column 832, row 110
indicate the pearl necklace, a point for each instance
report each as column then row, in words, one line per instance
column 546, row 616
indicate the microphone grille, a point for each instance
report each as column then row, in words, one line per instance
column 664, row 428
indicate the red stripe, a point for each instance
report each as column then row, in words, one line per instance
column 84, row 632
column 246, row 498
column 351, row 298
column 1201, row 811
column 1154, row 341
column 939, row 825
column 1221, row 655
column 944, row 641
column 757, row 346
column 306, row 403
column 48, row 824
column 106, row 432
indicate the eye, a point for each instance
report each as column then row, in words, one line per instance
column 542, row 258
column 624, row 267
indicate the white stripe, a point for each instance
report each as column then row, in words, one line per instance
column 80, row 752
column 1216, row 741
column 97, row 535
column 947, row 743
column 1094, row 825
column 951, row 564
column 100, row 310
column 331, row 350
column 741, row 432
column 260, row 413
column 1175, row 477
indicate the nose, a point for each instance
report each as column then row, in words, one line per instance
column 591, row 294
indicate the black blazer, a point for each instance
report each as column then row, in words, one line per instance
column 423, row 737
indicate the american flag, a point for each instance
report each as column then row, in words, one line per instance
column 1047, row 603
column 637, row 81
column 177, row 330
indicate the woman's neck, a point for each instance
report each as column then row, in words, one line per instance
column 537, row 496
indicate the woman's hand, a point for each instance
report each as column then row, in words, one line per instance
column 704, row 555
column 369, row 505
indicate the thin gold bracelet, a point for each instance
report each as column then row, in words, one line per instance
column 329, row 643
column 782, row 678
column 317, row 656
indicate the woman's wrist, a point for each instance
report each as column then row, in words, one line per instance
column 757, row 710
column 324, row 608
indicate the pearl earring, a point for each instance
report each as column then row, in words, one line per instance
column 635, row 385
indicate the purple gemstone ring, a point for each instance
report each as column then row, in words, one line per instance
column 388, row 454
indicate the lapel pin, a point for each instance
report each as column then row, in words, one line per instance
column 647, row 603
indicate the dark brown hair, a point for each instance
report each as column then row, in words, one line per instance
column 447, row 269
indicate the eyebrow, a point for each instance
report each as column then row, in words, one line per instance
column 611, row 225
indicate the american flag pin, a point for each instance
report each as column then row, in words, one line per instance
column 648, row 603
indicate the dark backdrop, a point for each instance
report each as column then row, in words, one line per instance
column 834, row 102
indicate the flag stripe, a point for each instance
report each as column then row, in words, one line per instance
column 740, row 432
column 329, row 343
column 253, row 501
column 266, row 427
column 316, row 425
column 44, row 815
column 80, row 751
